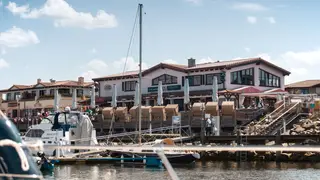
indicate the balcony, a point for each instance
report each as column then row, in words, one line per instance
column 46, row 97
column 28, row 97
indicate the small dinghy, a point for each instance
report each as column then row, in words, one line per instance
column 16, row 161
column 44, row 164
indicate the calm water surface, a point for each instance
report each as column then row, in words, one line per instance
column 208, row 170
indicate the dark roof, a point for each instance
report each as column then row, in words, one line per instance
column 304, row 84
column 202, row 66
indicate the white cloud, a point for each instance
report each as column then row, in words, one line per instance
column 64, row 15
column 311, row 57
column 97, row 67
column 265, row 56
column 1, row 3
column 89, row 75
column 249, row 7
column 271, row 20
column 247, row 49
column 195, row 1
column 93, row 50
column 252, row 19
column 17, row 10
column 3, row 64
column 3, row 51
column 170, row 61
column 205, row 60
column 16, row 37
column 131, row 65
column 303, row 65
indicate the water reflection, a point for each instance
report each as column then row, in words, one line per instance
column 201, row 170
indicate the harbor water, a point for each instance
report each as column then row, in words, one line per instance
column 201, row 170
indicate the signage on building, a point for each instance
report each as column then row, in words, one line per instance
column 107, row 87
column 176, row 120
column 165, row 88
column 12, row 104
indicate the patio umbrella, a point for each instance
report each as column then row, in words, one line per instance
column 74, row 99
column 160, row 94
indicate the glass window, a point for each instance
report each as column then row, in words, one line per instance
column 51, row 92
column 196, row 80
column 209, row 78
column 36, row 133
column 243, row 77
column 165, row 79
column 130, row 85
column 42, row 92
column 267, row 79
column 79, row 92
column 9, row 97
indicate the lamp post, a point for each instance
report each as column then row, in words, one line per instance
column 18, row 104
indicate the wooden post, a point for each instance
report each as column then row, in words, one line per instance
column 202, row 126
column 278, row 142
column 238, row 153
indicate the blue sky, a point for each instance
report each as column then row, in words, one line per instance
column 66, row 39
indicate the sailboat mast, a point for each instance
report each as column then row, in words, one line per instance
column 140, row 69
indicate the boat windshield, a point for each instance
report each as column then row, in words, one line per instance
column 70, row 118
column 35, row 133
column 46, row 121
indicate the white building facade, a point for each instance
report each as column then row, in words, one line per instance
column 40, row 96
column 253, row 72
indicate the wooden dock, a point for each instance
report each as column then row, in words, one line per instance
column 150, row 161
column 256, row 140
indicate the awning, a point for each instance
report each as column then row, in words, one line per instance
column 275, row 90
column 246, row 89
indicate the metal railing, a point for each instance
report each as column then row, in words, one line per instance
column 288, row 122
column 272, row 113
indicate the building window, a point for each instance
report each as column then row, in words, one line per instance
column 64, row 91
column 243, row 77
column 42, row 92
column 209, row 78
column 166, row 79
column 129, row 85
column 268, row 79
column 15, row 95
column 9, row 97
column 33, row 93
column 79, row 92
column 195, row 80
column 51, row 92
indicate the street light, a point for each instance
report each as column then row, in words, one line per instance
column 18, row 104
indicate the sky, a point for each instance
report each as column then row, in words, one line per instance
column 63, row 40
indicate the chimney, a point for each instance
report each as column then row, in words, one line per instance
column 52, row 81
column 38, row 81
column 80, row 80
column 191, row 62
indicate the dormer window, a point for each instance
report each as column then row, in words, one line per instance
column 166, row 79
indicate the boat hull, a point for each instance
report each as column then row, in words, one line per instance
column 173, row 158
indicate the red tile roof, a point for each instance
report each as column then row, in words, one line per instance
column 67, row 83
column 209, row 65
column 245, row 89
column 304, row 84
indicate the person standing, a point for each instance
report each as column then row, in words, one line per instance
column 208, row 127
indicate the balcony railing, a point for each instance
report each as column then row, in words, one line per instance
column 27, row 98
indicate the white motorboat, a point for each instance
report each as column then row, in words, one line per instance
column 65, row 128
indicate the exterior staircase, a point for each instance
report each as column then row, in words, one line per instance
column 274, row 121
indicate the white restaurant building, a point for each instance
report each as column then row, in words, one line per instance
column 251, row 75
